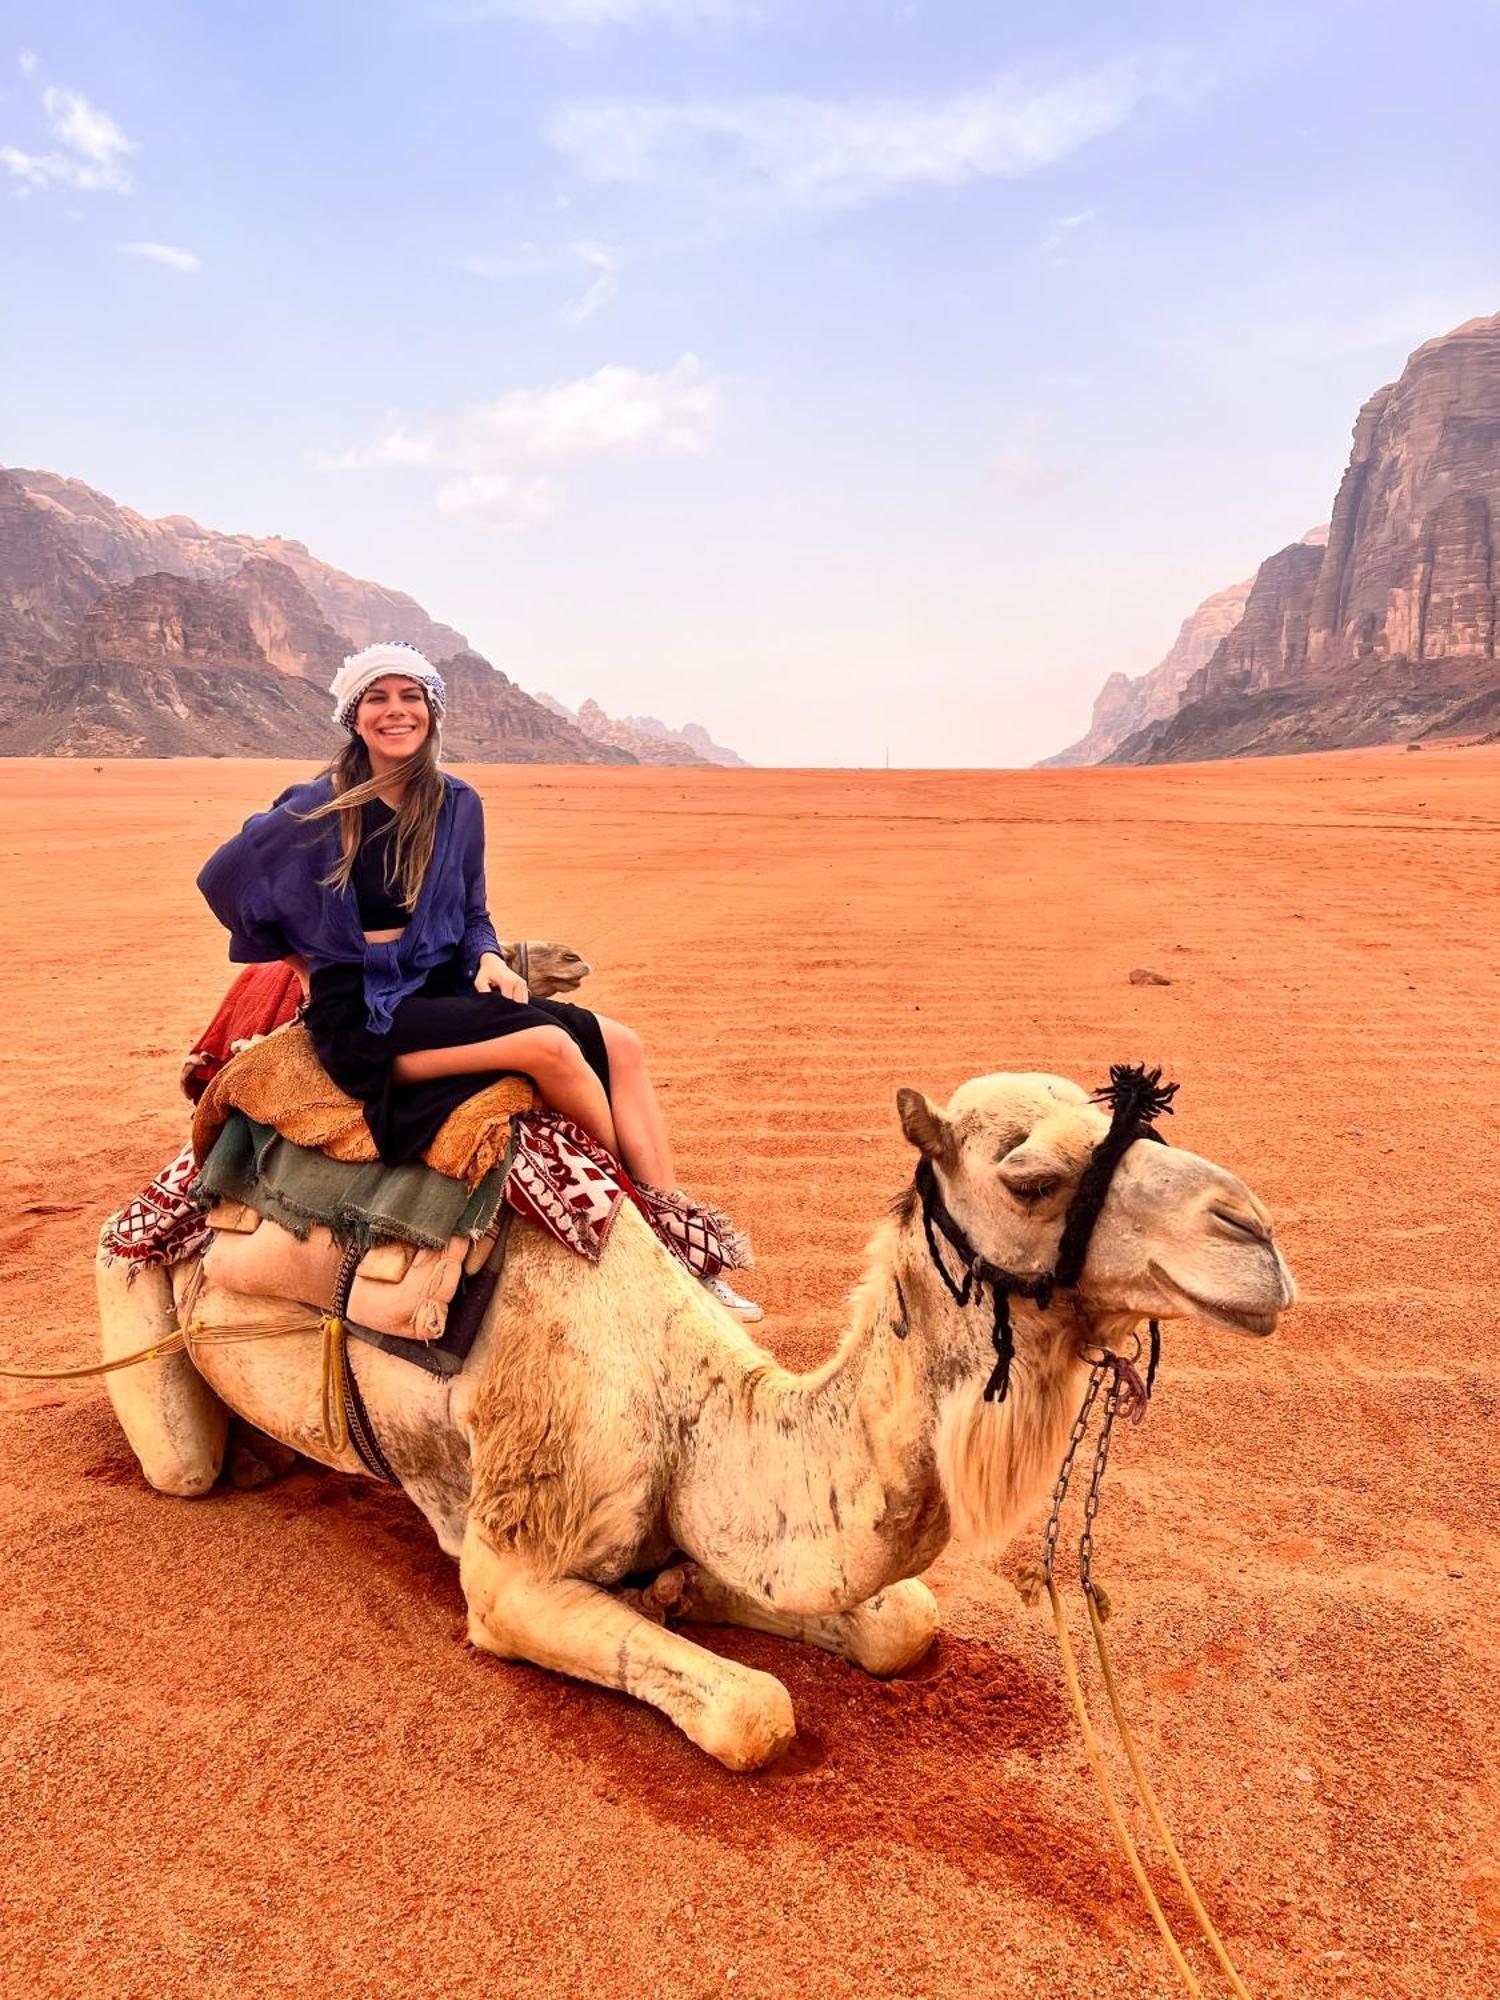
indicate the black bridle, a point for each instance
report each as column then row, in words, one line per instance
column 1136, row 1097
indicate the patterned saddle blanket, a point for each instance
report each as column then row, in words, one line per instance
column 273, row 1135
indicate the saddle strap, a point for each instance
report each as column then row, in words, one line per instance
column 361, row 1431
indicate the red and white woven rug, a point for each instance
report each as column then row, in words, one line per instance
column 559, row 1178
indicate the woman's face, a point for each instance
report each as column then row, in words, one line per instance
column 392, row 720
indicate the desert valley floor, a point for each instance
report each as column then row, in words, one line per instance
column 246, row 1749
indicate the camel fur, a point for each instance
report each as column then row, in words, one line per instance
column 614, row 1420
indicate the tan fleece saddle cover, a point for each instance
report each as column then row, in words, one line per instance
column 398, row 1289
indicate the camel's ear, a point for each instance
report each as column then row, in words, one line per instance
column 926, row 1127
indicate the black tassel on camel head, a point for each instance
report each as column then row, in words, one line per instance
column 1136, row 1097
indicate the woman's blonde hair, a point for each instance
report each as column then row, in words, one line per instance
column 354, row 785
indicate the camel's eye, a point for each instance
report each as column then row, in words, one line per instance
column 1037, row 1188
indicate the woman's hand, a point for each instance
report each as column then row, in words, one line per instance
column 495, row 976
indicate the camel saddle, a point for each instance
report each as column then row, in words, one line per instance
column 298, row 1193
column 278, row 1081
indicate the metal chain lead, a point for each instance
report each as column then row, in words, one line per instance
column 1096, row 1477
column 1065, row 1470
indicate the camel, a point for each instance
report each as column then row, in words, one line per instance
column 613, row 1421
column 551, row 971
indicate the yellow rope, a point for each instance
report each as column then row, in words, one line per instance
column 1148, row 1798
column 157, row 1351
column 223, row 1334
column 335, row 1423
column 1122, row 1831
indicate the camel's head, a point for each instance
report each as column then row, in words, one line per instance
column 548, row 969
column 1177, row 1237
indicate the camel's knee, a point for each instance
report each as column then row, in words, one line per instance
column 173, row 1421
column 745, row 1720
column 892, row 1630
column 493, row 1589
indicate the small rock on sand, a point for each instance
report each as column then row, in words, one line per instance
column 1142, row 975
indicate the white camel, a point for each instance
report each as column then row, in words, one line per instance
column 612, row 1419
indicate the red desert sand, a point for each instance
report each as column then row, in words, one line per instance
column 246, row 1748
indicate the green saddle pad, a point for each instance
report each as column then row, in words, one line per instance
column 361, row 1204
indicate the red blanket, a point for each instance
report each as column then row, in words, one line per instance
column 262, row 998
column 560, row 1178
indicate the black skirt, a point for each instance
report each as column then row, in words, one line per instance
column 445, row 1013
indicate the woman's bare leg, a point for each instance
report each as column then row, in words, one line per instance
column 547, row 1055
column 639, row 1119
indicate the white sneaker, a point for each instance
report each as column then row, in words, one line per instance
column 724, row 1292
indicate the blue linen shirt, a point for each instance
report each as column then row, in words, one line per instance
column 264, row 885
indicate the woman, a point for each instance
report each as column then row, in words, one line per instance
column 370, row 880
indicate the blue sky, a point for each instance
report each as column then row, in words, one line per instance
column 852, row 378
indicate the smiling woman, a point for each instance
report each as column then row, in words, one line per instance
column 370, row 881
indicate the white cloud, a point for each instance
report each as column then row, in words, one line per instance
column 819, row 152
column 94, row 149
column 526, row 259
column 164, row 253
column 500, row 499
column 507, row 457
column 601, row 288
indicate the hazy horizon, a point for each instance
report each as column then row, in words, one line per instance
column 846, row 379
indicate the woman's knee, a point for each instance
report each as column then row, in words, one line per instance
column 623, row 1045
column 554, row 1056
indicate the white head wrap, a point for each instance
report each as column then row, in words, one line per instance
column 391, row 656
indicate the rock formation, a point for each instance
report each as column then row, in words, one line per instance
column 46, row 584
column 649, row 740
column 646, row 749
column 1125, row 704
column 292, row 633
column 1410, row 571
column 122, row 544
column 494, row 721
column 162, row 620
column 1391, row 632
column 696, row 737
column 123, row 636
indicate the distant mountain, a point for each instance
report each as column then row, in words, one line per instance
column 132, row 637
column 648, row 740
column 1125, row 705
column 1389, row 631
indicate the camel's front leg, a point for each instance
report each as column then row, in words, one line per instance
column 885, row 1635
column 742, row 1717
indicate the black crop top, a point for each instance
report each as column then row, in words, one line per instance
column 380, row 905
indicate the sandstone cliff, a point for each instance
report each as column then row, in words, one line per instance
column 290, row 630
column 123, row 636
column 619, row 735
column 105, row 708
column 1125, row 703
column 162, row 620
column 494, row 721
column 1410, row 572
column 121, row 543
column 46, row 584
column 1392, row 633
column 695, row 737
column 649, row 740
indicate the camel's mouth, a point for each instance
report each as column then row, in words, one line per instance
column 1217, row 1312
